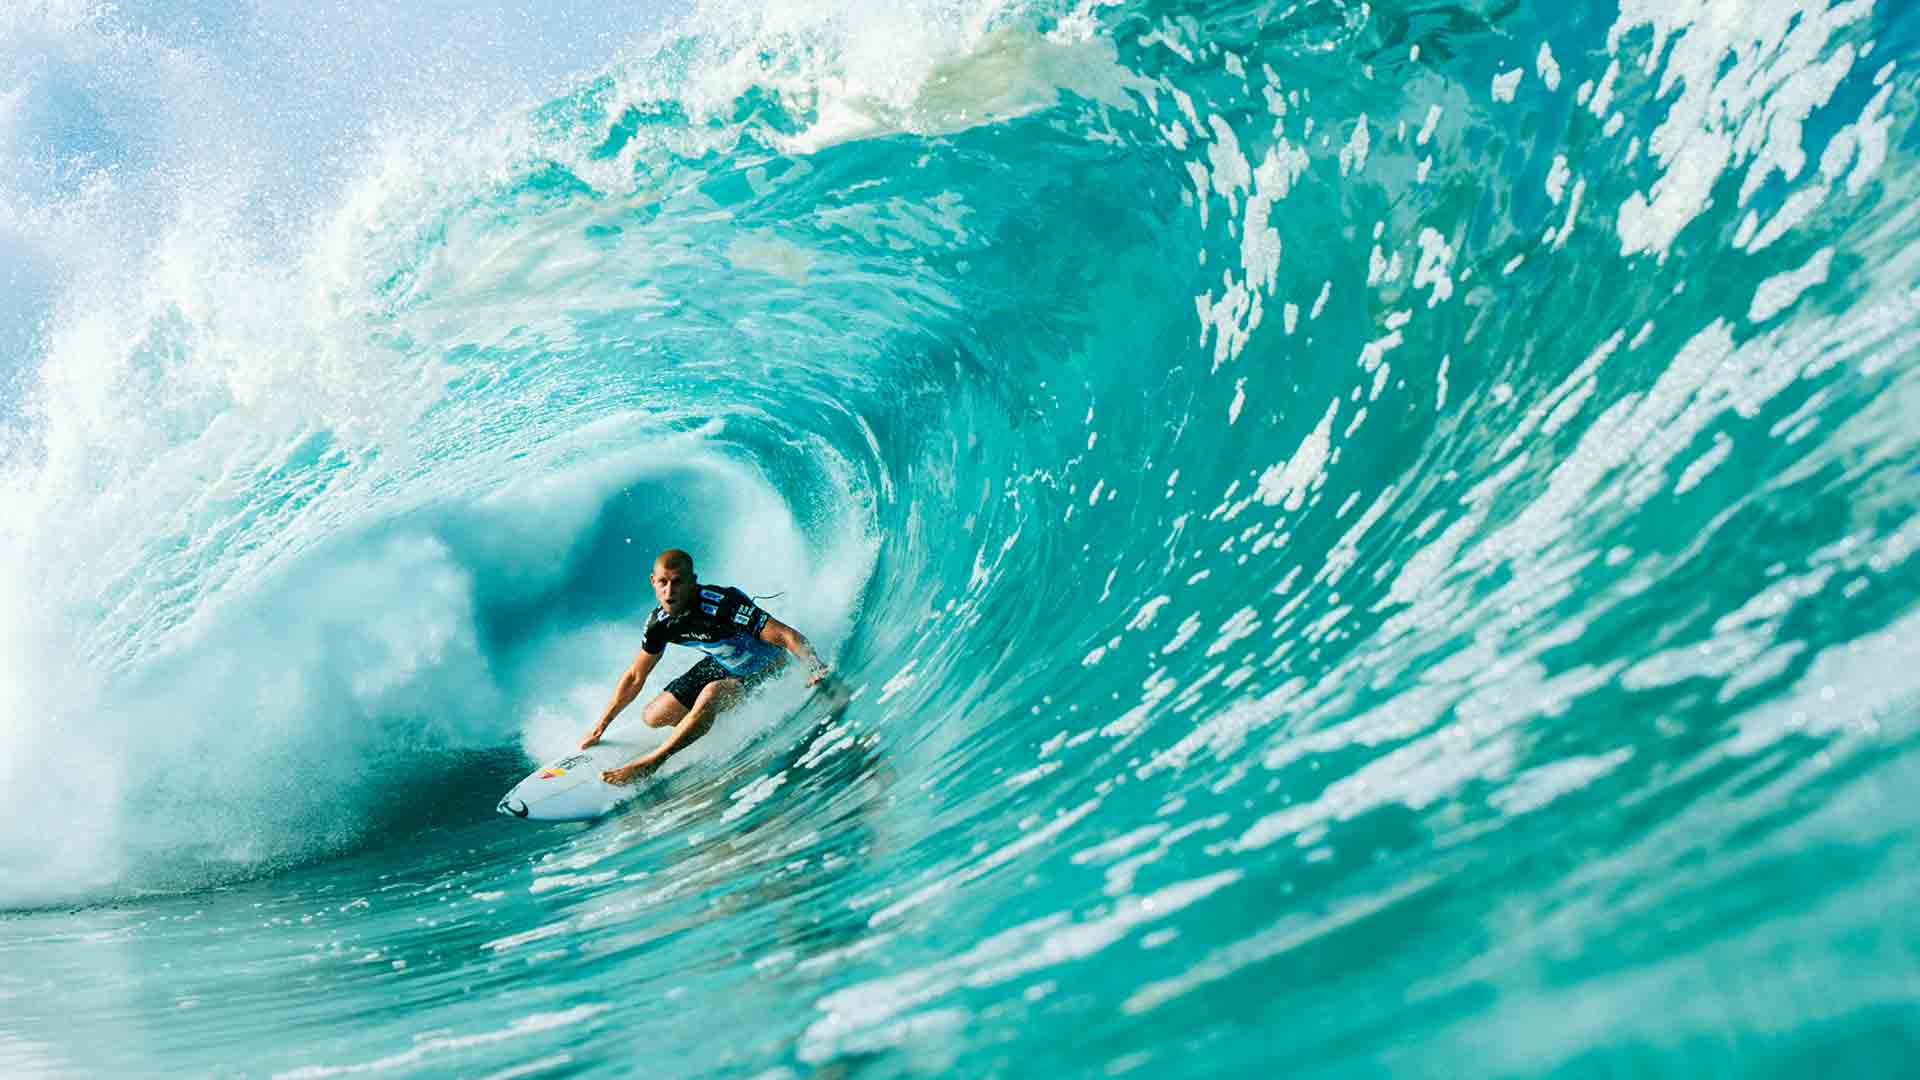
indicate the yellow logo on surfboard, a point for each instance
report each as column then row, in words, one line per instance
column 559, row 768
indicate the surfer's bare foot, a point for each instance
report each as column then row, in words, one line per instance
column 627, row 774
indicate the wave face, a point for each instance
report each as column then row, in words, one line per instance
column 1366, row 536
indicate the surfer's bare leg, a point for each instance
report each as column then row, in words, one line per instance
column 715, row 698
column 664, row 711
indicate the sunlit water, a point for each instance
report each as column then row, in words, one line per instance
column 1370, row 538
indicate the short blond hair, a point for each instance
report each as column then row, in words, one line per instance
column 675, row 559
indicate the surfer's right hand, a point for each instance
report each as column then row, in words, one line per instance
column 592, row 737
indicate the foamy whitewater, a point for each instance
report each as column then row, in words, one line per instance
column 1368, row 538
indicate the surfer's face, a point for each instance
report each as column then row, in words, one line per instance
column 673, row 588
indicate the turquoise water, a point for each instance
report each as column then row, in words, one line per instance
column 1369, row 538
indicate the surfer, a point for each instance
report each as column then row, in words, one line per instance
column 744, row 649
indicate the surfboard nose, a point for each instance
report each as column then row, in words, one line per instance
column 513, row 806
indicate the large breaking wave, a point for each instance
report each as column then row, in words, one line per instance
column 1295, row 467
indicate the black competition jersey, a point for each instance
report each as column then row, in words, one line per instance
column 724, row 623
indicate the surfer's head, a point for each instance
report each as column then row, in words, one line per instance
column 673, row 580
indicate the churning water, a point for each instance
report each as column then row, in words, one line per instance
column 1369, row 537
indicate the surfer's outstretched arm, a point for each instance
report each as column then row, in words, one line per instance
column 623, row 694
column 779, row 633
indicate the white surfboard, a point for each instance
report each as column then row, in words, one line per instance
column 569, row 787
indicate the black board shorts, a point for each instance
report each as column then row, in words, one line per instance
column 686, row 689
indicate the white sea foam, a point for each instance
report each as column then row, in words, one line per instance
column 251, row 548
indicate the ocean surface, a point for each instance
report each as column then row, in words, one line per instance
column 1369, row 538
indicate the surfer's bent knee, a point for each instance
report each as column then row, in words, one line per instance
column 722, row 686
column 717, row 694
column 664, row 711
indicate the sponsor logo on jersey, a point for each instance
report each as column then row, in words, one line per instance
column 711, row 609
column 742, row 616
column 712, row 594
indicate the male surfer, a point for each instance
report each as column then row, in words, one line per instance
column 742, row 643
